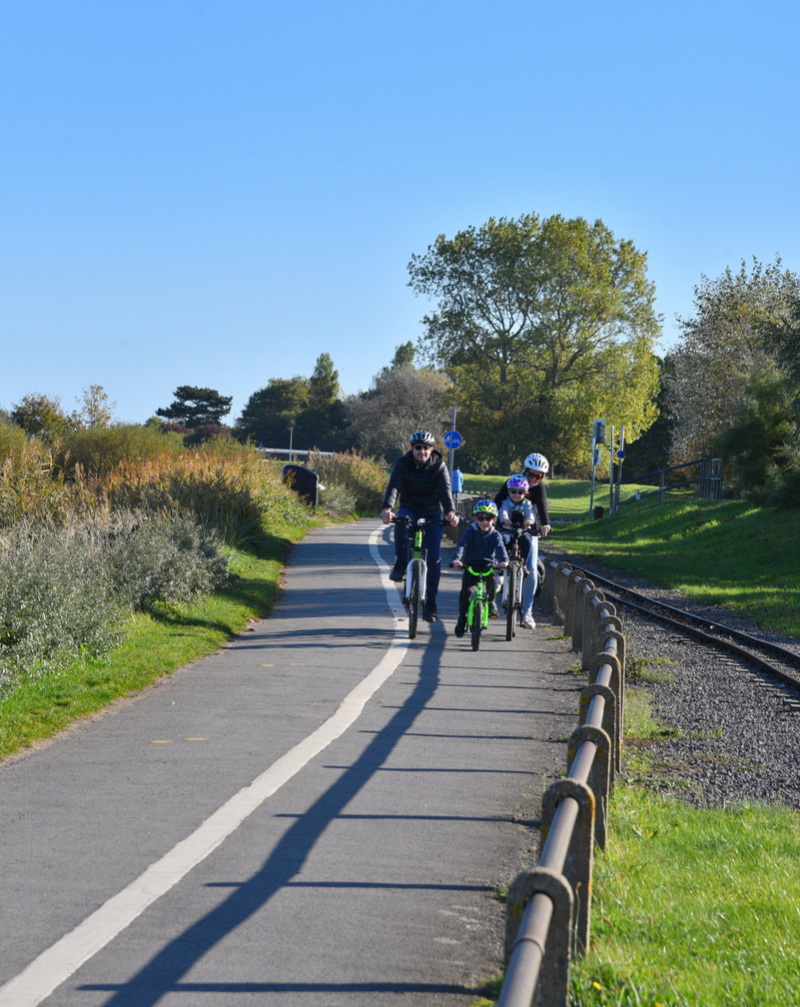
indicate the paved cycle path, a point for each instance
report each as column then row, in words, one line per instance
column 317, row 814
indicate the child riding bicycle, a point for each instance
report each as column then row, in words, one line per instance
column 516, row 502
column 479, row 546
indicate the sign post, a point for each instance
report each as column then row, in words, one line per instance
column 598, row 437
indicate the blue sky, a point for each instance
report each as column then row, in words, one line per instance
column 214, row 193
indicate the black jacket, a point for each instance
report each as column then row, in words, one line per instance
column 422, row 488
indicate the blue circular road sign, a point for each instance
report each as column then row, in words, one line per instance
column 453, row 440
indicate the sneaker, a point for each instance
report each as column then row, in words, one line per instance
column 493, row 613
column 528, row 621
column 429, row 613
column 461, row 625
column 398, row 572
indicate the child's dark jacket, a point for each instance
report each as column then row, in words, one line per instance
column 476, row 548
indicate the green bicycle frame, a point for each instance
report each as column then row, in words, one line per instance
column 480, row 595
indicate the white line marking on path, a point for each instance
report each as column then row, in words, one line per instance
column 38, row 980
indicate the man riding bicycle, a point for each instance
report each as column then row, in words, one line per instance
column 421, row 482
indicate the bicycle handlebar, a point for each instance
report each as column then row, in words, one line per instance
column 412, row 522
column 492, row 564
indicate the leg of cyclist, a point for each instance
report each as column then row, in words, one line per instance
column 500, row 577
column 433, row 547
column 529, row 547
column 467, row 583
column 401, row 534
column 491, row 590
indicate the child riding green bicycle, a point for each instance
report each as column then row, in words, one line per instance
column 480, row 549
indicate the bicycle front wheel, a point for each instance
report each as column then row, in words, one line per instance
column 511, row 598
column 477, row 622
column 413, row 600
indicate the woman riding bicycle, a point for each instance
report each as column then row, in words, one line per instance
column 536, row 469
column 421, row 482
column 517, row 501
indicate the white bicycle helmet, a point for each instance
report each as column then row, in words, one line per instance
column 538, row 463
column 422, row 437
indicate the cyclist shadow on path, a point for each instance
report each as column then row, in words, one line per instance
column 163, row 973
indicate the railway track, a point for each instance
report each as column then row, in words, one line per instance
column 776, row 660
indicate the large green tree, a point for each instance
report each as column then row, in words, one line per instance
column 271, row 411
column 42, row 416
column 311, row 407
column 543, row 324
column 323, row 422
column 195, row 407
column 782, row 335
column 723, row 346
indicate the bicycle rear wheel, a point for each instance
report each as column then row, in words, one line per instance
column 477, row 622
column 510, row 594
column 413, row 600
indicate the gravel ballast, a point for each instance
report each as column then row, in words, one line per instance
column 734, row 736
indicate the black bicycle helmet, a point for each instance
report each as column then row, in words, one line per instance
column 422, row 437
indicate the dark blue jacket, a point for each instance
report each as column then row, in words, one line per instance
column 476, row 547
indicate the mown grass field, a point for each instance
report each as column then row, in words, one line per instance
column 730, row 553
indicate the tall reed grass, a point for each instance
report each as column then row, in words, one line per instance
column 113, row 520
column 32, row 487
column 353, row 484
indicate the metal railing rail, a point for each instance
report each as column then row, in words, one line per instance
column 708, row 482
column 548, row 910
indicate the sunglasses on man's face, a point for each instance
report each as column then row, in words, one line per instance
column 532, row 475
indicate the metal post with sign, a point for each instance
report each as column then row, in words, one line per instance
column 453, row 440
column 598, row 437
column 620, row 457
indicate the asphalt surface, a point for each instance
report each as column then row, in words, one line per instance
column 317, row 814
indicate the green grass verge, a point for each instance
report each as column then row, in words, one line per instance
column 695, row 908
column 691, row 907
column 155, row 644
